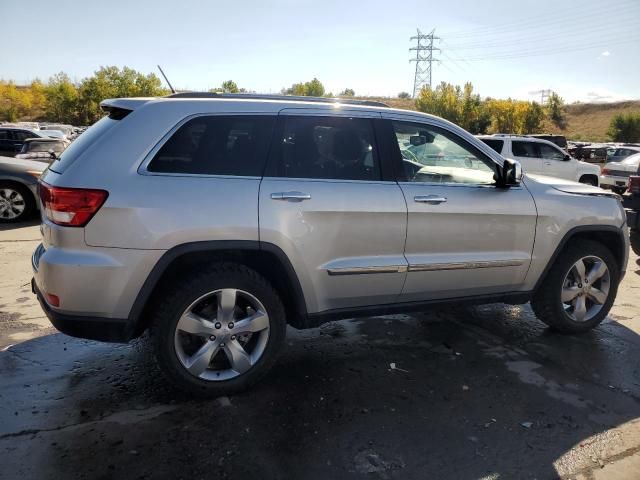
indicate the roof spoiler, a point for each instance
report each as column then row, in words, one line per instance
column 118, row 108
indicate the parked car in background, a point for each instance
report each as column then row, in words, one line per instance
column 18, row 188
column 542, row 157
column 12, row 139
column 592, row 153
column 245, row 214
column 40, row 149
column 617, row 154
column 615, row 175
column 66, row 130
column 559, row 140
column 54, row 134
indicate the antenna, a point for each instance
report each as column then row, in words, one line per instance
column 166, row 80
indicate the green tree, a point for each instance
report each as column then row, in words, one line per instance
column 229, row 86
column 625, row 128
column 556, row 110
column 347, row 92
column 61, row 103
column 533, row 118
column 404, row 95
column 314, row 88
column 112, row 82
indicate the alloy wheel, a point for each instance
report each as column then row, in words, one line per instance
column 586, row 288
column 222, row 334
column 12, row 204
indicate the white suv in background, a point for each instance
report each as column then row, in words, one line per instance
column 542, row 157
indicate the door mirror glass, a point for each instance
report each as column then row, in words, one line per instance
column 511, row 173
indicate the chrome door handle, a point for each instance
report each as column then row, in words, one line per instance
column 290, row 196
column 430, row 199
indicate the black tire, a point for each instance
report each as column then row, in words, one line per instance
column 589, row 180
column 619, row 190
column 183, row 294
column 547, row 303
column 29, row 200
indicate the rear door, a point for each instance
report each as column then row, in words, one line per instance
column 528, row 154
column 465, row 237
column 330, row 203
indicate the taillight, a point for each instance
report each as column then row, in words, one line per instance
column 634, row 185
column 605, row 171
column 70, row 207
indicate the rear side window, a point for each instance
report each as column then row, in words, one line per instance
column 524, row 149
column 340, row 148
column 83, row 142
column 495, row 144
column 217, row 145
column 4, row 135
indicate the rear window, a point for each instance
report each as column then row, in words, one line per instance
column 84, row 141
column 495, row 144
column 633, row 160
column 217, row 145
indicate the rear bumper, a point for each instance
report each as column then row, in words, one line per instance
column 93, row 328
column 608, row 181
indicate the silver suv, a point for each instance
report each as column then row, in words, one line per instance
column 216, row 221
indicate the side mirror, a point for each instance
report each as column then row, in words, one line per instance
column 567, row 158
column 52, row 154
column 510, row 174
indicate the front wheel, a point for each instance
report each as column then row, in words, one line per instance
column 619, row 190
column 579, row 289
column 219, row 331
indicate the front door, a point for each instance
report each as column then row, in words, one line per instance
column 325, row 202
column 465, row 237
column 554, row 162
column 528, row 154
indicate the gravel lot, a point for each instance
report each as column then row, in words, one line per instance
column 484, row 392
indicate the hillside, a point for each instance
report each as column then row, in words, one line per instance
column 585, row 121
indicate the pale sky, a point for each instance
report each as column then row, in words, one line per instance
column 583, row 49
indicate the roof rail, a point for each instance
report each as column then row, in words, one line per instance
column 286, row 98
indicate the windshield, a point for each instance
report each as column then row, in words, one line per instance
column 44, row 146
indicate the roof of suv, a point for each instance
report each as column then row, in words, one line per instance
column 502, row 136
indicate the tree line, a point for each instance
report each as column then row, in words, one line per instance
column 62, row 100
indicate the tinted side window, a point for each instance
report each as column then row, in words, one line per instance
column 217, row 145
column 4, row 135
column 550, row 153
column 495, row 144
column 21, row 135
column 328, row 147
column 524, row 149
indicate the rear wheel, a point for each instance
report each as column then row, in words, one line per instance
column 579, row 289
column 16, row 202
column 219, row 331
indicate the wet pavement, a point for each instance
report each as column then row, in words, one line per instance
column 484, row 392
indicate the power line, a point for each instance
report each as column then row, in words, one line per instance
column 570, row 16
column 424, row 58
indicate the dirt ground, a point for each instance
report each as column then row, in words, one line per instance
column 479, row 393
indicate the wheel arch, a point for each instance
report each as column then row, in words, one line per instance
column 267, row 259
column 608, row 235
